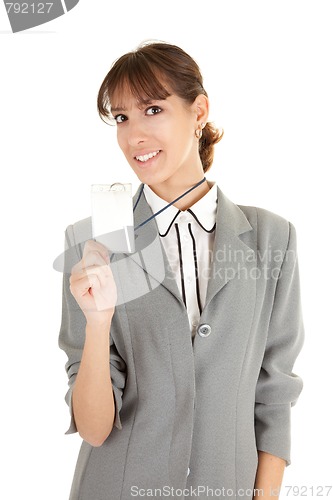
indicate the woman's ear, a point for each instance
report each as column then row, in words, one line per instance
column 201, row 108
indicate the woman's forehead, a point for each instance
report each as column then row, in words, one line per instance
column 121, row 98
column 127, row 92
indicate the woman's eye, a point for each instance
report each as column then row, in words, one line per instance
column 153, row 110
column 120, row 118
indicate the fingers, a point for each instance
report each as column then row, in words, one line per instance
column 80, row 287
column 93, row 270
column 94, row 275
column 94, row 254
column 93, row 250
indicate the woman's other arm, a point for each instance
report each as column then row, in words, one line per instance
column 269, row 476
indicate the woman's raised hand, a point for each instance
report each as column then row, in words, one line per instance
column 92, row 284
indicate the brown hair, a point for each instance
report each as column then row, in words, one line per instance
column 146, row 71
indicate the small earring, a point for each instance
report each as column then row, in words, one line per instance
column 198, row 133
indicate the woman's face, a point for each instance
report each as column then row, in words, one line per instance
column 158, row 138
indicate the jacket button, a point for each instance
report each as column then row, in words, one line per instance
column 188, row 471
column 204, row 330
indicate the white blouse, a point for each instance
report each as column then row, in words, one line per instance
column 188, row 238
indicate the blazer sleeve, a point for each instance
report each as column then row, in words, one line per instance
column 278, row 387
column 72, row 337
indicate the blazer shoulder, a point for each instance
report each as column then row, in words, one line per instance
column 271, row 228
column 79, row 231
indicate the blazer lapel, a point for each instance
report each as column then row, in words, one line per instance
column 230, row 253
column 149, row 250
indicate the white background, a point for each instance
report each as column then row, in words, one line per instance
column 267, row 67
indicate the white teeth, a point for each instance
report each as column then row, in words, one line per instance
column 147, row 157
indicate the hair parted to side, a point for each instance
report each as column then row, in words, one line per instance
column 149, row 72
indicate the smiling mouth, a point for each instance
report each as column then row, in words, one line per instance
column 144, row 158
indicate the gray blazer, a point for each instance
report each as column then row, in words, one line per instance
column 192, row 414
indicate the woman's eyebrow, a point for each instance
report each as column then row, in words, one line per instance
column 143, row 102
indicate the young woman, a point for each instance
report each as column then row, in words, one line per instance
column 180, row 355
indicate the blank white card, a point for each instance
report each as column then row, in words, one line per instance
column 112, row 216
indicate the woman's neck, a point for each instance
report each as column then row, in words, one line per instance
column 169, row 194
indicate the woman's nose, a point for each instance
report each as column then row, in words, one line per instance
column 136, row 132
